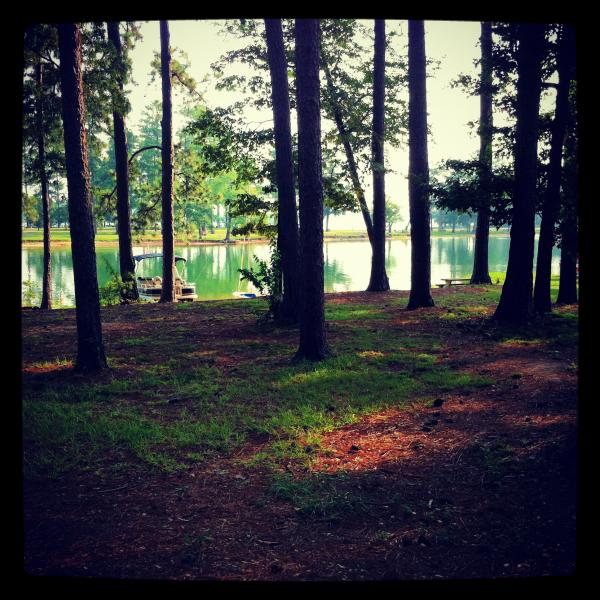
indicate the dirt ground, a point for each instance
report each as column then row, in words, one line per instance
column 474, row 485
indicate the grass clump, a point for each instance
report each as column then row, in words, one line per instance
column 320, row 495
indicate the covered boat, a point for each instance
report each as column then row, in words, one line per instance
column 150, row 288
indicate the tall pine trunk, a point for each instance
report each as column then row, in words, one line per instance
column 567, row 287
column 569, row 231
column 168, row 240
column 47, row 276
column 350, row 158
column 541, row 292
column 379, row 279
column 480, row 260
column 126, row 261
column 227, row 225
column 313, row 343
column 90, row 349
column 418, row 170
column 516, row 302
column 287, row 220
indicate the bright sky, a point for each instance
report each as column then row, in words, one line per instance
column 454, row 43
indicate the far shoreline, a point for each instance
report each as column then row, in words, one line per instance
column 261, row 240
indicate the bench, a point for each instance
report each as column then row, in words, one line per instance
column 454, row 281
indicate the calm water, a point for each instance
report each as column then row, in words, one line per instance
column 214, row 269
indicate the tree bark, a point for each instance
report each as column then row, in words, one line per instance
column 126, row 261
column 379, row 280
column 567, row 287
column 287, row 220
column 541, row 292
column 168, row 240
column 313, row 343
column 418, row 170
column 47, row 276
column 516, row 302
column 481, row 273
column 90, row 349
column 350, row 159
column 227, row 225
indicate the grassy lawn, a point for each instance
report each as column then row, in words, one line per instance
column 110, row 235
column 206, row 441
column 188, row 406
column 169, row 399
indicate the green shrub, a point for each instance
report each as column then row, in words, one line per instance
column 267, row 278
column 30, row 293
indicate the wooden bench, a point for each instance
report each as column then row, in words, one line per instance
column 454, row 281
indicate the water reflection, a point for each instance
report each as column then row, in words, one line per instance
column 214, row 269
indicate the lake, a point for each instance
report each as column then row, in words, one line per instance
column 214, row 269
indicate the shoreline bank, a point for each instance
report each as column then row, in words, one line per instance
column 199, row 243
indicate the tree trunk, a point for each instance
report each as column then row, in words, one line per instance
column 47, row 276
column 90, row 349
column 482, row 232
column 126, row 261
column 379, row 279
column 313, row 343
column 567, row 287
column 516, row 302
column 168, row 288
column 541, row 293
column 227, row 225
column 287, row 221
column 418, row 170
column 350, row 159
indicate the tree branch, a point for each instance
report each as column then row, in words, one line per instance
column 143, row 150
column 186, row 86
column 109, row 196
column 48, row 58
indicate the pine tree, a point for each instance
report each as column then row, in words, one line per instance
column 565, row 63
column 516, row 302
column 126, row 261
column 313, row 344
column 168, row 240
column 90, row 348
column 418, row 170
column 379, row 279
column 287, row 221
column 480, row 259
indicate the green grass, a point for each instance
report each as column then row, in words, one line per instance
column 68, row 426
column 136, row 341
column 58, row 363
column 320, row 495
column 556, row 329
column 345, row 312
column 110, row 235
column 192, row 406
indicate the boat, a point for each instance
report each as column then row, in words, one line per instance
column 239, row 294
column 150, row 288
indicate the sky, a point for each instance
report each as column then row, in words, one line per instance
column 453, row 43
